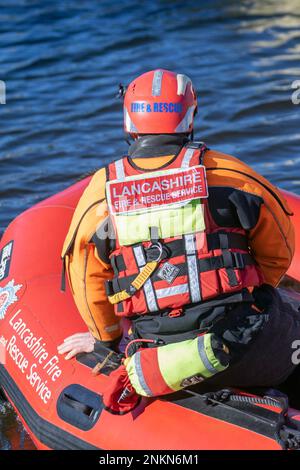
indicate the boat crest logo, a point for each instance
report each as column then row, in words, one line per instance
column 8, row 296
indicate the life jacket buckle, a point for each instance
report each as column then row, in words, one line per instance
column 195, row 144
column 176, row 312
column 239, row 262
column 155, row 252
column 131, row 290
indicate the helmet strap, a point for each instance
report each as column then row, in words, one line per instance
column 128, row 138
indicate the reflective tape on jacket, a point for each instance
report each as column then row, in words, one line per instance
column 187, row 158
column 190, row 248
column 148, row 287
column 120, row 171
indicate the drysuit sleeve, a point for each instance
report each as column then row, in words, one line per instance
column 262, row 210
column 87, row 271
column 272, row 240
column 265, row 216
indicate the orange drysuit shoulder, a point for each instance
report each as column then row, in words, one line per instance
column 272, row 240
column 90, row 201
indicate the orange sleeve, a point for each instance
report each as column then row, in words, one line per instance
column 272, row 242
column 89, row 294
column 87, row 273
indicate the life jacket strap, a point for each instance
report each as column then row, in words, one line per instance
column 118, row 297
column 177, row 248
column 234, row 260
column 136, row 284
column 144, row 274
column 63, row 275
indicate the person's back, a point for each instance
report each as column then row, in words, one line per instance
column 178, row 247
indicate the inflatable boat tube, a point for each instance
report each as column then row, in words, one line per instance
column 60, row 402
column 294, row 203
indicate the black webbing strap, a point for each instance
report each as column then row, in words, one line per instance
column 230, row 260
column 234, row 240
column 117, row 263
column 109, row 288
column 195, row 144
column 224, row 246
column 63, row 275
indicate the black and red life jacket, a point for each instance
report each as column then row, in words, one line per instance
column 192, row 268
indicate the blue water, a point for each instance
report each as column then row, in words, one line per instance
column 62, row 62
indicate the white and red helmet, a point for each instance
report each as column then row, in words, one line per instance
column 160, row 102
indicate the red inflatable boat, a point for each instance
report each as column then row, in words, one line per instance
column 59, row 401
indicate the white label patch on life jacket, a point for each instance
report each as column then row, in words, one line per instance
column 168, row 272
column 156, row 189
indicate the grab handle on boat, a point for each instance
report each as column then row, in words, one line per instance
column 79, row 406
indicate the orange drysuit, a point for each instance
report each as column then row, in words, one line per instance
column 271, row 241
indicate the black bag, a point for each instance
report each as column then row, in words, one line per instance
column 165, row 327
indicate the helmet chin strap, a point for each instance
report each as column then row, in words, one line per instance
column 129, row 139
column 121, row 91
column 156, row 145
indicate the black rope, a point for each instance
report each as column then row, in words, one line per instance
column 222, row 396
column 269, row 401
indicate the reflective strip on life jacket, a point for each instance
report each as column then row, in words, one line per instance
column 148, row 287
column 190, row 151
column 193, row 274
column 170, row 291
column 120, row 170
column 187, row 158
